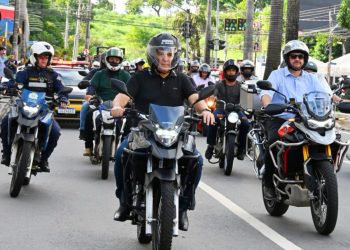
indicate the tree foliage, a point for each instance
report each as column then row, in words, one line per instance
column 343, row 15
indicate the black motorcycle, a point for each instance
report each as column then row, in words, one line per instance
column 226, row 145
column 158, row 167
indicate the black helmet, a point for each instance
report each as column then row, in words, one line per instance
column 295, row 46
column 163, row 42
column 311, row 66
column 230, row 64
column 204, row 68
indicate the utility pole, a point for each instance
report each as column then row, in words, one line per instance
column 87, row 38
column 330, row 40
column 15, row 30
column 66, row 32
column 208, row 34
column 76, row 36
column 187, row 33
column 216, row 45
column 248, row 35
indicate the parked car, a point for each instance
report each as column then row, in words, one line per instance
column 71, row 75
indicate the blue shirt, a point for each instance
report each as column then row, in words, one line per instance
column 292, row 87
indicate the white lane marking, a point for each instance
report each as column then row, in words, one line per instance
column 248, row 218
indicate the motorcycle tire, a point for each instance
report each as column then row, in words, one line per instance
column 274, row 207
column 141, row 235
column 326, row 196
column 229, row 153
column 106, row 156
column 26, row 181
column 164, row 214
column 20, row 170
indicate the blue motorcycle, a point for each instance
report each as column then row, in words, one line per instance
column 34, row 119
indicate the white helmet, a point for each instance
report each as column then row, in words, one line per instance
column 40, row 48
column 96, row 64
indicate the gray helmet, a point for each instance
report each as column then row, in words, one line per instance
column 311, row 66
column 204, row 68
column 117, row 53
column 247, row 64
column 295, row 46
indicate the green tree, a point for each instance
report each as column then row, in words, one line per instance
column 104, row 4
column 344, row 20
column 275, row 37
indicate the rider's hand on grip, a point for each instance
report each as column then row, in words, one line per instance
column 117, row 111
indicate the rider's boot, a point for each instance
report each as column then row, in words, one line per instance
column 209, row 152
column 44, row 166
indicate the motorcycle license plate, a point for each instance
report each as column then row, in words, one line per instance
column 66, row 111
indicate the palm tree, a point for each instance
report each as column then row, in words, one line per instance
column 292, row 26
column 248, row 36
column 275, row 37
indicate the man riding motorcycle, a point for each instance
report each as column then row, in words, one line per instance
column 204, row 76
column 102, row 85
column 38, row 77
column 229, row 91
column 293, row 82
column 162, row 86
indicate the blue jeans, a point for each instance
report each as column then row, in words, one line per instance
column 243, row 130
column 83, row 113
column 6, row 139
column 118, row 168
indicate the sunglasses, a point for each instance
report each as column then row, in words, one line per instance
column 294, row 56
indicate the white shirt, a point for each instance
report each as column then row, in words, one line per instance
column 200, row 81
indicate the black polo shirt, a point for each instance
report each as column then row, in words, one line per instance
column 148, row 87
column 230, row 94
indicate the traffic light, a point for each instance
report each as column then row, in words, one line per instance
column 222, row 44
column 210, row 44
column 241, row 24
column 230, row 24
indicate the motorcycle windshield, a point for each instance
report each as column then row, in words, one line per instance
column 33, row 98
column 167, row 117
column 317, row 105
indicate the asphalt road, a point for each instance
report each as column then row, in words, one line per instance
column 72, row 208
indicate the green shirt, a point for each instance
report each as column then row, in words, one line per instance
column 102, row 84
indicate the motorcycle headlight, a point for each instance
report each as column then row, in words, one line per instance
column 233, row 117
column 327, row 124
column 166, row 137
column 106, row 117
column 30, row 111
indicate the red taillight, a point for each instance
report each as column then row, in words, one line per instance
column 285, row 129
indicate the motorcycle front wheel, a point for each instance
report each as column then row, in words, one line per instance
column 20, row 168
column 164, row 214
column 106, row 156
column 229, row 153
column 274, row 207
column 324, row 206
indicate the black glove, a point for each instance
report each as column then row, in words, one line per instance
column 11, row 92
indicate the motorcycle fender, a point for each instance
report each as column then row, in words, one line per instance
column 24, row 137
column 161, row 174
column 162, row 153
column 27, row 123
column 231, row 132
column 108, row 132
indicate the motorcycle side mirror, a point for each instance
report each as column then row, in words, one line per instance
column 120, row 87
column 334, row 86
column 83, row 84
column 66, row 90
column 275, row 108
column 83, row 72
column 205, row 93
column 210, row 83
column 199, row 87
column 8, row 74
column 265, row 85
column 344, row 107
column 346, row 83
